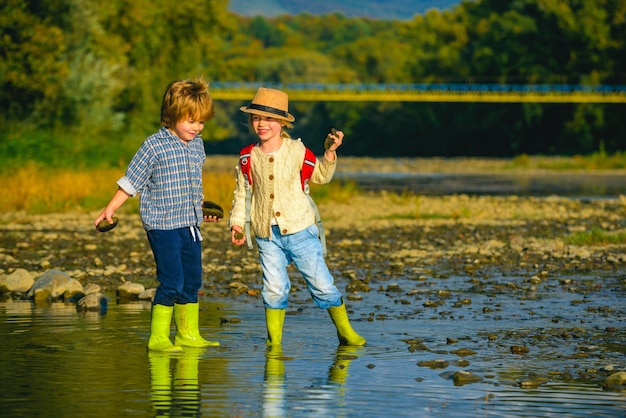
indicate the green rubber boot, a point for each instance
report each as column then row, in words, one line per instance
column 274, row 319
column 347, row 336
column 160, row 329
column 187, row 332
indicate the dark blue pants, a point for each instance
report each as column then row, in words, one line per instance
column 178, row 257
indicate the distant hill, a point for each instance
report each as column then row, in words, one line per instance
column 378, row 9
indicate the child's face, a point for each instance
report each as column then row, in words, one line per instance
column 188, row 129
column 266, row 128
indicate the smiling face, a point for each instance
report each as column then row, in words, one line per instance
column 187, row 129
column 268, row 129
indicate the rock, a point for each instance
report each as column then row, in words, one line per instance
column 42, row 296
column 356, row 286
column 434, row 364
column 519, row 349
column 148, row 294
column 52, row 285
column 93, row 302
column 462, row 377
column 532, row 381
column 74, row 291
column 615, row 381
column 238, row 287
column 92, row 288
column 130, row 291
column 20, row 281
column 464, row 352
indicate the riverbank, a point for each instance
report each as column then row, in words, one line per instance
column 372, row 235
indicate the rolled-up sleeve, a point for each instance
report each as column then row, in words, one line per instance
column 127, row 186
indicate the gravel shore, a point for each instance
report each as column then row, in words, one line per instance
column 377, row 234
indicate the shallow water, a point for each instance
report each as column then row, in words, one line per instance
column 58, row 362
column 436, row 184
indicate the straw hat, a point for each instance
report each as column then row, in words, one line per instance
column 270, row 102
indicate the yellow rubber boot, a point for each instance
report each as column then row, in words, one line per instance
column 347, row 336
column 187, row 332
column 160, row 329
column 274, row 320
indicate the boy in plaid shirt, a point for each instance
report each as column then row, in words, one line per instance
column 166, row 171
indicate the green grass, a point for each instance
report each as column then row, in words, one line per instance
column 595, row 237
column 599, row 160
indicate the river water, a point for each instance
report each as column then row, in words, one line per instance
column 58, row 362
column 560, row 184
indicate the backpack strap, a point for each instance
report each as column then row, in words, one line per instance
column 245, row 163
column 307, row 169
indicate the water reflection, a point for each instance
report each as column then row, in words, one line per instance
column 275, row 387
column 177, row 393
column 56, row 359
column 322, row 398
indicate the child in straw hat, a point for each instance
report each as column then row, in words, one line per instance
column 281, row 217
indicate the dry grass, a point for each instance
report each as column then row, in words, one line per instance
column 34, row 189
column 37, row 189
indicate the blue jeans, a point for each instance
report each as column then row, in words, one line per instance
column 178, row 257
column 304, row 249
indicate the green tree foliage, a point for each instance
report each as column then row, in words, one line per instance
column 82, row 80
column 31, row 68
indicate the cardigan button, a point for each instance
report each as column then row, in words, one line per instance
column 284, row 231
column 271, row 177
column 271, row 159
column 271, row 195
column 277, row 214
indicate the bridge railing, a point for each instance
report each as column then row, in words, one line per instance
column 444, row 92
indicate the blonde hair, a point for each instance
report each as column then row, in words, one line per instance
column 186, row 99
column 285, row 125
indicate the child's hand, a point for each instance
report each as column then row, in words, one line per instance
column 333, row 140
column 106, row 221
column 211, row 219
column 237, row 237
column 212, row 211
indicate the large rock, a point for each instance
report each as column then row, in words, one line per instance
column 20, row 281
column 54, row 285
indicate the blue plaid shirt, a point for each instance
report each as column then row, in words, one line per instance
column 167, row 174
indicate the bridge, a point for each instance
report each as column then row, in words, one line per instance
column 487, row 93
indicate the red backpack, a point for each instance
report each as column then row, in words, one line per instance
column 308, row 165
